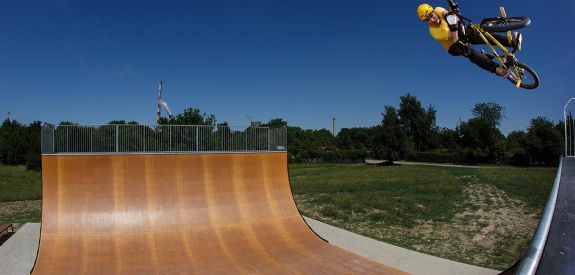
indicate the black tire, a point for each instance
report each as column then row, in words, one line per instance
column 529, row 79
column 503, row 24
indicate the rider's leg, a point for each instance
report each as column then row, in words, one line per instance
column 475, row 38
column 477, row 58
column 482, row 61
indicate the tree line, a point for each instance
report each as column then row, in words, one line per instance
column 408, row 132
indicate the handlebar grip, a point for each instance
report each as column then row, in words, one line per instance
column 452, row 5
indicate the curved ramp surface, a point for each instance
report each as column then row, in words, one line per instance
column 179, row 214
column 559, row 252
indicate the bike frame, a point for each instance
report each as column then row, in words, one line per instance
column 507, row 58
column 504, row 58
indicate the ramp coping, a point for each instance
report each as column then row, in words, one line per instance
column 533, row 254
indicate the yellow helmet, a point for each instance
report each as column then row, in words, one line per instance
column 423, row 11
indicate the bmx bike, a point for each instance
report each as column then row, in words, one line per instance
column 519, row 74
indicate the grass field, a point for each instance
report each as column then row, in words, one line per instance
column 479, row 216
column 17, row 184
column 483, row 217
column 20, row 191
column 20, row 212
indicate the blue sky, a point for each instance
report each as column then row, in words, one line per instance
column 303, row 61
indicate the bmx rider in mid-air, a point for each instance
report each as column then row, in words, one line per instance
column 447, row 29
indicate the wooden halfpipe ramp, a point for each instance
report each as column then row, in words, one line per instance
column 179, row 214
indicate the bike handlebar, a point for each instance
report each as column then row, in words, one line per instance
column 454, row 7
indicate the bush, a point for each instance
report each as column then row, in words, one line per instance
column 33, row 160
column 318, row 156
column 465, row 156
column 475, row 156
column 520, row 159
column 436, row 156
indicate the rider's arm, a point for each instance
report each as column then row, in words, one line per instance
column 452, row 22
column 453, row 36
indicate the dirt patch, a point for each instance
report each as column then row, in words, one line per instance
column 11, row 212
column 490, row 223
column 489, row 228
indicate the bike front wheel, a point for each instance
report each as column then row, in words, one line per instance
column 529, row 79
column 503, row 24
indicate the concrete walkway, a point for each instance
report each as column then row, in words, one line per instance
column 17, row 254
column 395, row 256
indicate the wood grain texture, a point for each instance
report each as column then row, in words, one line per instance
column 180, row 214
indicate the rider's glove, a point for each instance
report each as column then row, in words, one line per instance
column 452, row 21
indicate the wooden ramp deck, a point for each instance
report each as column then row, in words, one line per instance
column 229, row 213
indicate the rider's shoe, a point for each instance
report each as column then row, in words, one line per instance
column 503, row 72
column 517, row 40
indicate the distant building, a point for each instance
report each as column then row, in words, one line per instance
column 256, row 124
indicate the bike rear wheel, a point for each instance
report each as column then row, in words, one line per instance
column 503, row 24
column 529, row 79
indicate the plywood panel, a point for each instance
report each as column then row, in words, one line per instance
column 180, row 214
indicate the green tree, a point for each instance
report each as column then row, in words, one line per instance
column 480, row 137
column 448, row 139
column 543, row 142
column 482, row 142
column 392, row 138
column 516, row 149
column 354, row 138
column 417, row 123
column 13, row 145
column 302, row 143
column 276, row 122
column 33, row 145
column 430, row 130
column 66, row 123
column 489, row 113
column 192, row 116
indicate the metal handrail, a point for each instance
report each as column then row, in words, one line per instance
column 569, row 133
column 133, row 138
column 532, row 256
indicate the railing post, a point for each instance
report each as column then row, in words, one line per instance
column 197, row 139
column 117, row 138
column 568, row 138
column 53, row 139
column 269, row 140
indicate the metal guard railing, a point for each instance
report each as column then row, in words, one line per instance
column 531, row 258
column 128, row 138
column 569, row 128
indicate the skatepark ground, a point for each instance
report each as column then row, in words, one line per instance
column 174, row 213
column 19, row 252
